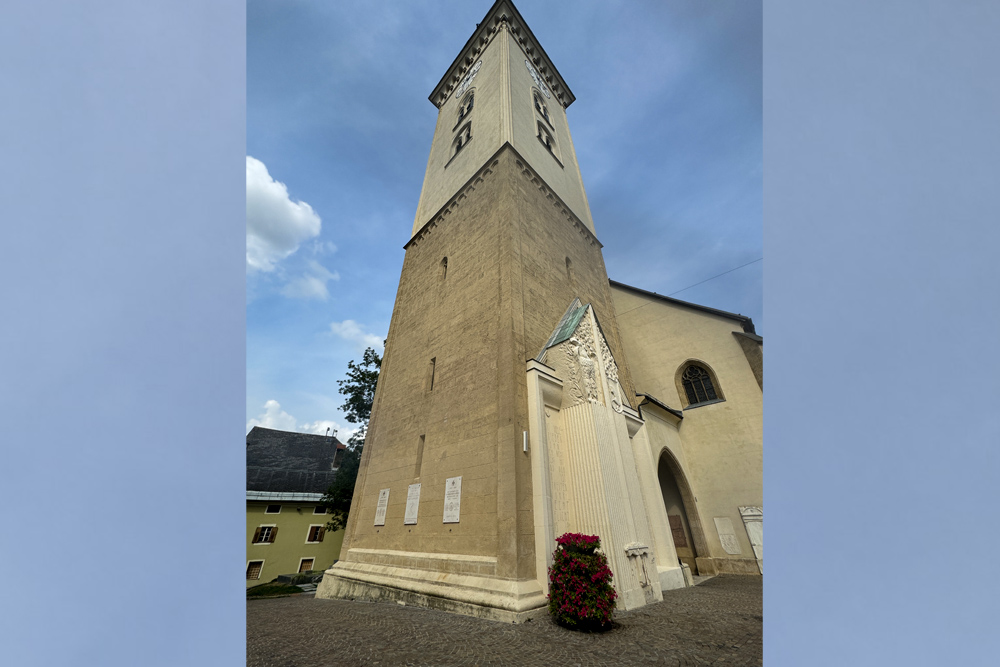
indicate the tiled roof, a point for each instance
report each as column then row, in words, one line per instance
column 281, row 461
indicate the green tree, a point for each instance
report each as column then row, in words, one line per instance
column 359, row 388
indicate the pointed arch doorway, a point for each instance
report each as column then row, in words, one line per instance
column 685, row 527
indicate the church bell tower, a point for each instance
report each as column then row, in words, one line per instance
column 504, row 414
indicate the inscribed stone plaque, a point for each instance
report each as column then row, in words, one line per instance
column 727, row 535
column 452, row 499
column 677, row 531
column 412, row 504
column 383, row 502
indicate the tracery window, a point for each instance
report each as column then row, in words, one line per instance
column 698, row 385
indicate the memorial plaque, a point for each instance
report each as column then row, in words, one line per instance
column 412, row 504
column 727, row 535
column 677, row 530
column 452, row 499
column 383, row 503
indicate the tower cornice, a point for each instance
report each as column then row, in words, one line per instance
column 485, row 172
column 503, row 15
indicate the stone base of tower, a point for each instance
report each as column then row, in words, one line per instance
column 385, row 578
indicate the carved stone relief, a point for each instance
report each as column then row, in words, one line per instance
column 582, row 367
column 611, row 373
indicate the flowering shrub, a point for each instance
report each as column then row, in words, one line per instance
column 580, row 592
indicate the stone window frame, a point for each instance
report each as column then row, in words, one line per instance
column 302, row 560
column 686, row 404
column 545, row 132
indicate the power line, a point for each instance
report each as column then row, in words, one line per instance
column 714, row 277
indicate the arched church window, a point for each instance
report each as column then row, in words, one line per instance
column 546, row 137
column 698, row 385
column 464, row 137
column 465, row 108
column 540, row 107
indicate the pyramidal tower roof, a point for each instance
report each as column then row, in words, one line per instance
column 502, row 11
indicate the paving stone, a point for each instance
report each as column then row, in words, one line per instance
column 718, row 622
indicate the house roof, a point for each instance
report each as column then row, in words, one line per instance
column 286, row 462
column 744, row 321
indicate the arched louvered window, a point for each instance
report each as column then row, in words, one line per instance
column 698, row 385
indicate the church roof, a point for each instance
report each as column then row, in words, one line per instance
column 744, row 321
column 282, row 461
column 502, row 11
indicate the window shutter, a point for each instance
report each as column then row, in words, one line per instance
column 322, row 532
column 256, row 536
column 274, row 534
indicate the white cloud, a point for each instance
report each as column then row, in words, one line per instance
column 273, row 417
column 276, row 418
column 312, row 283
column 276, row 225
column 351, row 331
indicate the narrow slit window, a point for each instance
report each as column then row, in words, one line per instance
column 569, row 269
column 420, row 457
column 430, row 375
column 444, row 268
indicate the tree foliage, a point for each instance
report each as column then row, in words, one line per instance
column 359, row 390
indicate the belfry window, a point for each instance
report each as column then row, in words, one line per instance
column 546, row 137
column 463, row 138
column 540, row 107
column 466, row 107
column 698, row 385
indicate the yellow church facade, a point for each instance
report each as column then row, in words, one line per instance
column 523, row 395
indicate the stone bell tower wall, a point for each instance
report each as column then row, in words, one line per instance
column 506, row 238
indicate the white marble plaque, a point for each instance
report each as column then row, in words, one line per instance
column 727, row 535
column 383, row 502
column 412, row 504
column 452, row 499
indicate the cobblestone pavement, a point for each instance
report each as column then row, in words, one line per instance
column 717, row 622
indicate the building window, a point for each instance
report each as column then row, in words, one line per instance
column 466, row 107
column 319, row 509
column 540, row 107
column 265, row 534
column 698, row 385
column 546, row 137
column 430, row 375
column 463, row 138
column 306, row 564
column 253, row 569
column 273, row 509
column 316, row 534
column 444, row 268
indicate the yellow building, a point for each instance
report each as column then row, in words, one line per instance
column 287, row 474
column 522, row 395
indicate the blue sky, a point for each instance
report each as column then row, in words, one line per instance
column 667, row 127
column 122, row 358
